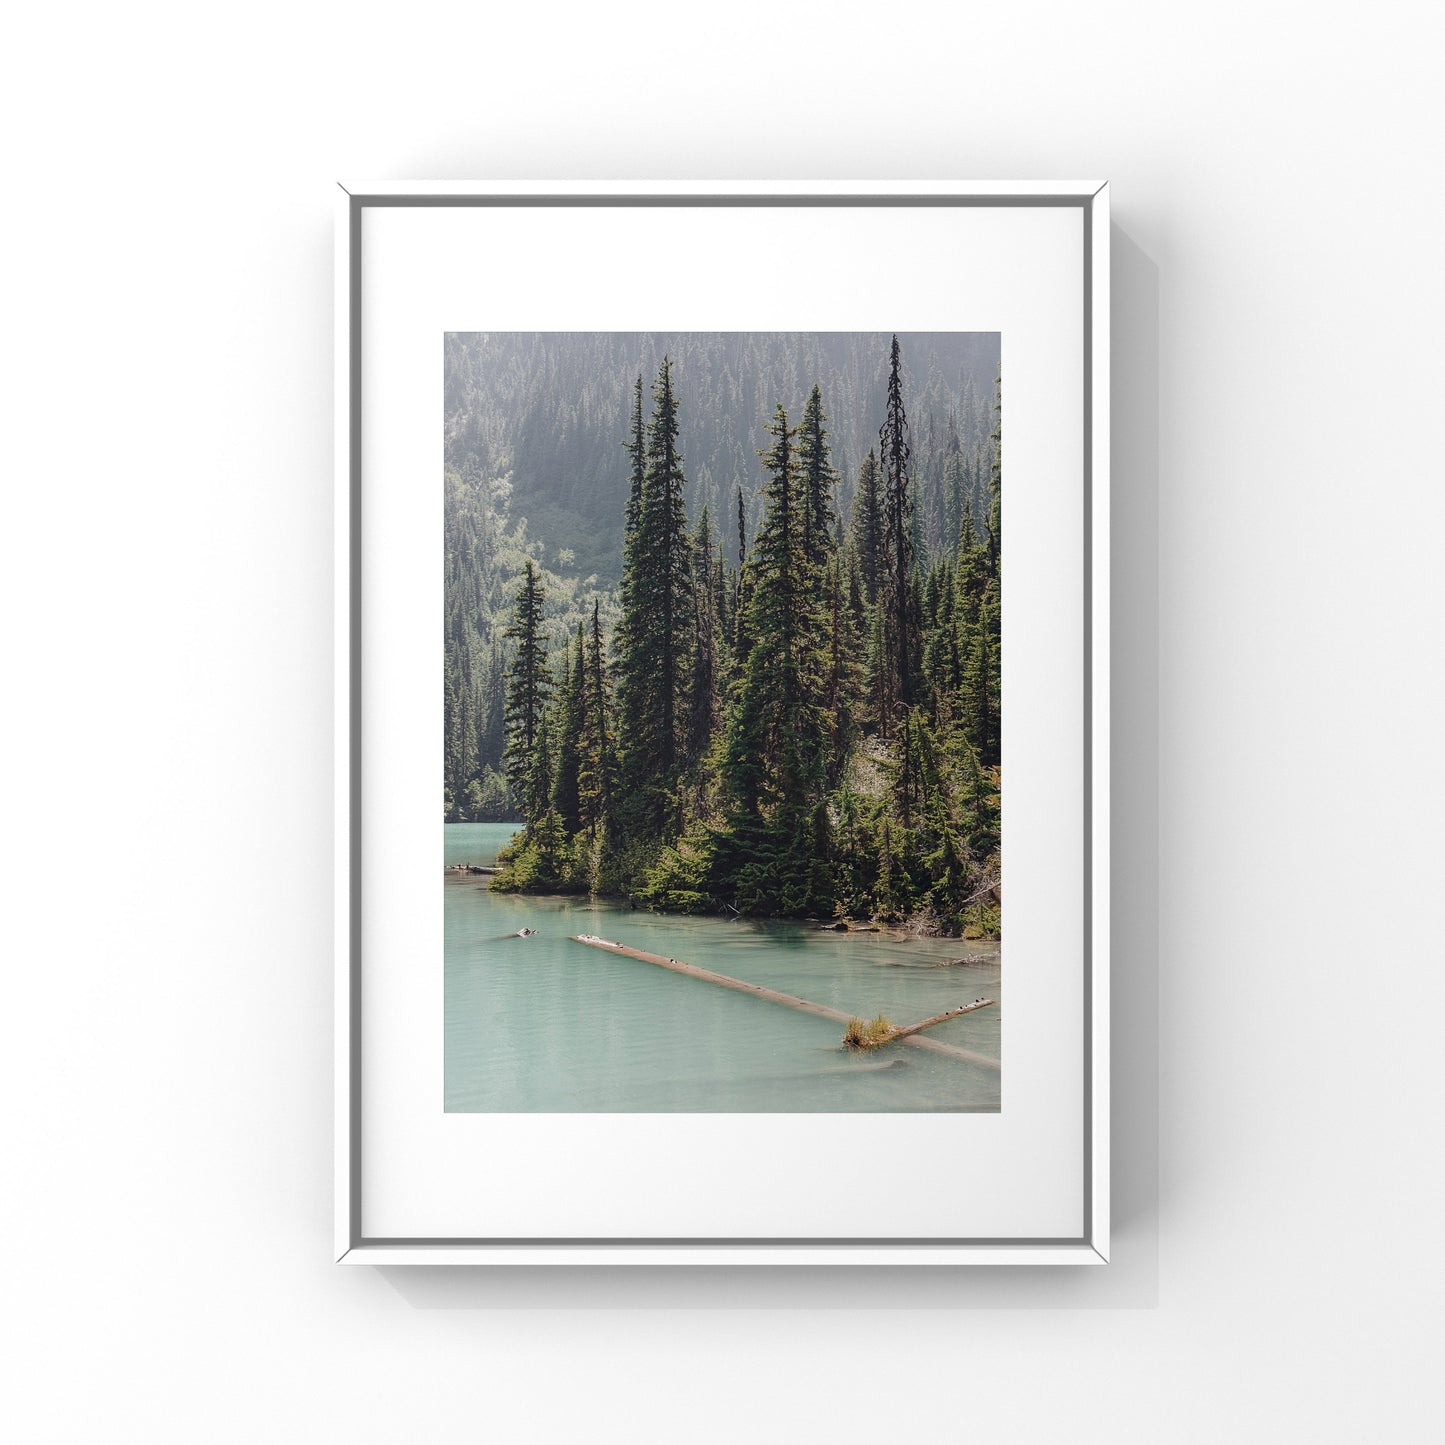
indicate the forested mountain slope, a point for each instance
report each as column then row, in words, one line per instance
column 727, row 634
column 548, row 412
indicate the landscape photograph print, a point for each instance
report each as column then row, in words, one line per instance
column 722, row 733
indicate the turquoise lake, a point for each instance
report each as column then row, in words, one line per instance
column 547, row 1025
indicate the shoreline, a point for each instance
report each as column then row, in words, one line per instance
column 853, row 927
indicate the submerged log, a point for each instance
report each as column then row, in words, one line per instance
column 771, row 995
column 908, row 1032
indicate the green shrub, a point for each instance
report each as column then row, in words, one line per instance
column 983, row 920
column 678, row 880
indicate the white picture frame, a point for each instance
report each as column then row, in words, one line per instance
column 370, row 223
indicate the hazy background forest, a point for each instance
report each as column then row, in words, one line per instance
column 722, row 617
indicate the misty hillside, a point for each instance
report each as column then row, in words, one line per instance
column 547, row 413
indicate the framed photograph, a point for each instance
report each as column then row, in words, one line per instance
column 722, row 588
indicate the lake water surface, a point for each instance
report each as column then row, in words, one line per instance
column 544, row 1024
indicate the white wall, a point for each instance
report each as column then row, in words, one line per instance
column 166, row 596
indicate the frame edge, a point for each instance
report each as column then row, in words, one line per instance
column 722, row 1255
column 349, row 1246
column 375, row 190
column 342, row 882
column 1099, row 757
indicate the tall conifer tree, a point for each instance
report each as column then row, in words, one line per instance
column 776, row 756
column 900, row 614
column 657, row 623
column 868, row 528
column 571, row 725
column 596, row 771
column 636, row 449
column 529, row 686
column 703, row 681
column 740, row 639
column 817, row 477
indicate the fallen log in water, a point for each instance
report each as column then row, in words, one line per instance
column 771, row 995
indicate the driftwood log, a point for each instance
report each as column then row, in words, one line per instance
column 770, row 995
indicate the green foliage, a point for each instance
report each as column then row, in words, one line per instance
column 529, row 688
column 655, row 638
column 776, row 760
column 868, row 528
column 816, row 478
column 597, row 759
column 897, row 602
column 680, row 879
column 487, row 798
column 814, row 733
column 571, row 723
column 541, row 860
column 982, row 921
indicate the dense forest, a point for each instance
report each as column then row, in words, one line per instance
column 767, row 682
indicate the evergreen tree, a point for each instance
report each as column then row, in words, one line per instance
column 636, row 449
column 954, row 480
column 597, row 765
column 893, row 893
column 657, row 624
column 702, row 685
column 817, row 478
column 453, row 782
column 723, row 596
column 909, row 767
column 985, row 665
column 930, row 531
column 868, row 528
column 571, row 725
column 529, row 686
column 491, row 732
column 741, row 595
column 540, row 769
column 776, row 754
column 901, row 624
column 844, row 670
column 469, row 560
column 878, row 669
column 941, row 659
column 977, row 695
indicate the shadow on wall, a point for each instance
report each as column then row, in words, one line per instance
column 1131, row 1281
